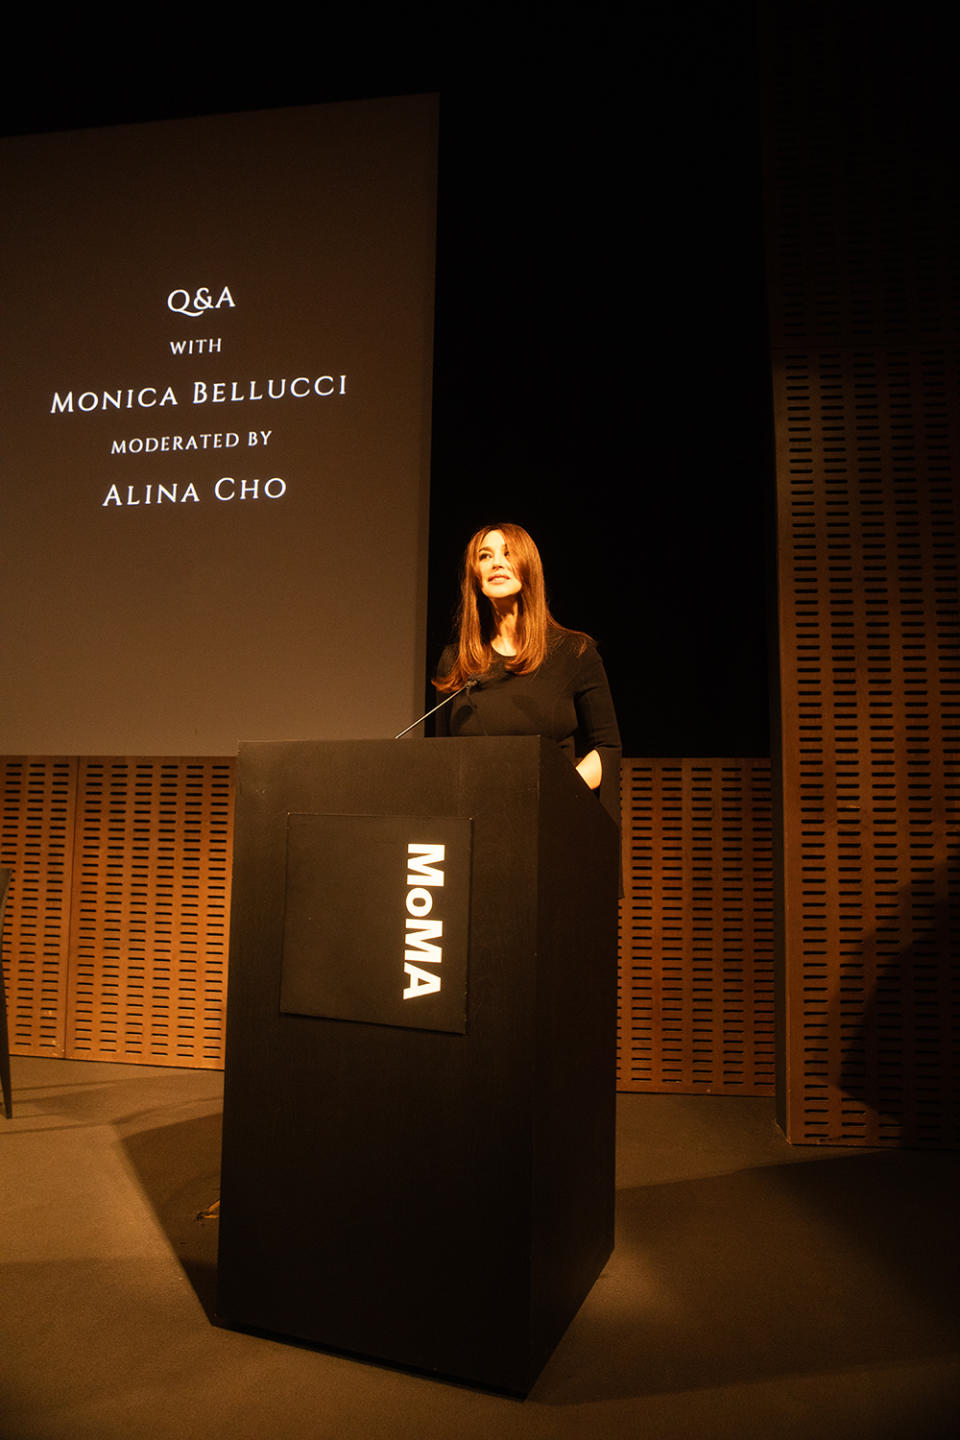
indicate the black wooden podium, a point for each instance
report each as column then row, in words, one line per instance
column 428, row 1184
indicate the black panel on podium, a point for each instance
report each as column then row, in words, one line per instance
column 436, row 1193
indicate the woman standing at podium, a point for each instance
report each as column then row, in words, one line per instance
column 524, row 673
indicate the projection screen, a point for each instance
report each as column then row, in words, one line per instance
column 214, row 439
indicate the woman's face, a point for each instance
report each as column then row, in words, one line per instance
column 498, row 577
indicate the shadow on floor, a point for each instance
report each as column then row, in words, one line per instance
column 781, row 1270
column 178, row 1167
column 797, row 1269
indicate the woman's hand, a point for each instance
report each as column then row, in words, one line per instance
column 590, row 769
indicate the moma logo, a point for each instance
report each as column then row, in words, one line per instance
column 423, row 930
column 356, row 885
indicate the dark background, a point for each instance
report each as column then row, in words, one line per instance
column 601, row 356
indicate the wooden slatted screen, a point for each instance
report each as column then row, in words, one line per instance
column 863, row 252
column 696, row 934
column 116, row 940
column 36, row 842
column 871, row 758
column 151, row 911
column 117, row 936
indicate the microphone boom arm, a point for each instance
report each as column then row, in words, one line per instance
column 445, row 701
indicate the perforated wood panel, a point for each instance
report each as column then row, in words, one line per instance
column 36, row 841
column 696, row 934
column 871, row 724
column 115, row 943
column 862, row 211
column 150, row 911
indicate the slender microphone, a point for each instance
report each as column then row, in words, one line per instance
column 445, row 701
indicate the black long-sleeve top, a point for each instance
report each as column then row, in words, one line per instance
column 568, row 699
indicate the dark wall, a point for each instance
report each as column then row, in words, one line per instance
column 601, row 372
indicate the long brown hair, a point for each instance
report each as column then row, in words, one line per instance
column 476, row 619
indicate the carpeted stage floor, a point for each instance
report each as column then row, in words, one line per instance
column 756, row 1290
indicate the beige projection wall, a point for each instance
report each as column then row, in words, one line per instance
column 214, row 429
